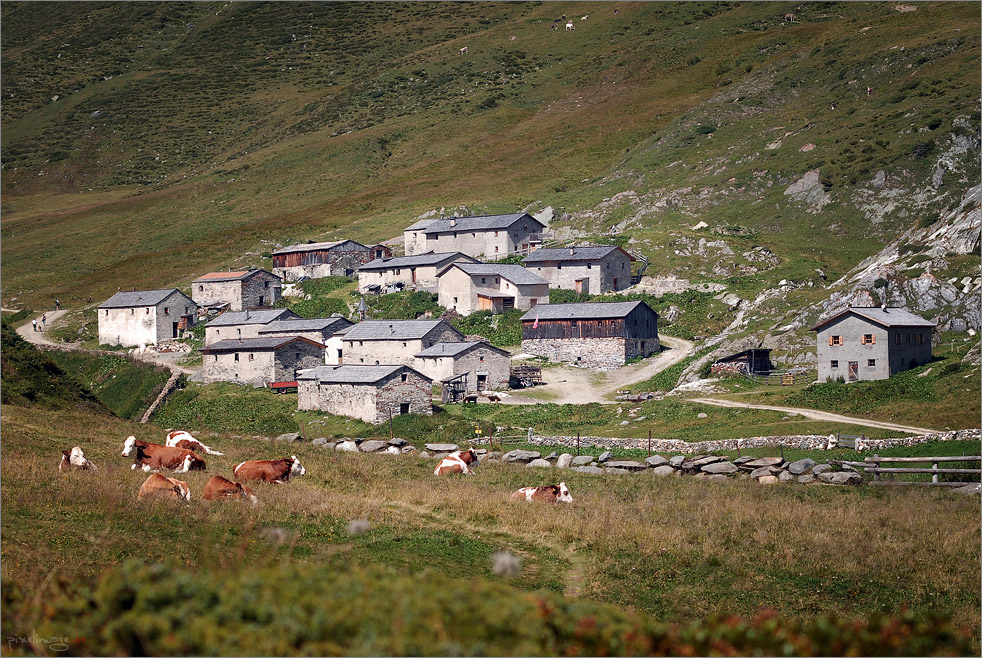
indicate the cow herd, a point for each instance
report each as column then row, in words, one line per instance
column 179, row 454
column 465, row 461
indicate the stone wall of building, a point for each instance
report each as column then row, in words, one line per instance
column 231, row 332
column 297, row 356
column 143, row 325
column 368, row 402
column 415, row 391
column 259, row 290
column 594, row 353
column 211, row 292
column 889, row 357
column 498, row 367
column 225, row 367
column 611, row 274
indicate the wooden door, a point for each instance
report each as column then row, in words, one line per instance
column 854, row 371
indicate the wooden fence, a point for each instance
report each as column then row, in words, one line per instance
column 871, row 465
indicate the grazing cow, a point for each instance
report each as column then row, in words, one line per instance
column 463, row 51
column 551, row 493
column 270, row 470
column 570, row 27
column 218, row 488
column 554, row 26
column 159, row 485
column 182, row 439
column 790, row 18
column 153, row 457
column 457, row 462
column 74, row 459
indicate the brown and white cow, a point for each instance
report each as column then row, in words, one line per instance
column 550, row 493
column 153, row 457
column 74, row 460
column 457, row 462
column 164, row 487
column 181, row 439
column 270, row 470
column 218, row 488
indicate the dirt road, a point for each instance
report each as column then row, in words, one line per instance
column 571, row 385
column 815, row 415
column 27, row 332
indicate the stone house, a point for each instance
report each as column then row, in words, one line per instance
column 334, row 346
column 244, row 324
column 259, row 361
column 470, row 287
column 583, row 269
column 244, row 289
column 489, row 236
column 600, row 335
column 145, row 317
column 481, row 365
column 416, row 272
column 315, row 260
column 391, row 342
column 369, row 393
column 863, row 343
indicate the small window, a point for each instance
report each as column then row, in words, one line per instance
column 403, row 344
column 834, row 363
column 482, row 359
column 454, row 300
column 236, row 356
column 559, row 266
column 404, row 376
column 573, row 324
column 835, row 340
column 166, row 311
column 361, row 343
column 398, row 272
column 898, row 340
column 132, row 311
column 589, row 266
column 495, row 250
column 361, row 360
column 871, row 363
column 483, row 280
column 251, row 355
column 496, row 235
column 497, row 280
column 107, row 311
column 239, row 332
column 216, row 357
column 376, row 362
column 267, row 285
column 201, row 288
column 869, row 339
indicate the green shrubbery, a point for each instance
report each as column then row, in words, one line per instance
column 504, row 330
column 128, row 388
column 229, row 407
column 164, row 609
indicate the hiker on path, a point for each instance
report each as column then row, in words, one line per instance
column 57, row 305
column 35, row 322
column 44, row 321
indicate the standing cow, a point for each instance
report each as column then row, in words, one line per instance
column 270, row 470
column 457, row 462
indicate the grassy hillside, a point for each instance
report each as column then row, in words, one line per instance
column 674, row 550
column 191, row 136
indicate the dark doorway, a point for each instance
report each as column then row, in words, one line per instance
column 176, row 329
column 482, row 382
column 403, row 408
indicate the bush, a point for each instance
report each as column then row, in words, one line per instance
column 165, row 609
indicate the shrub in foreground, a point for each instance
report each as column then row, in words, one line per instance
column 160, row 609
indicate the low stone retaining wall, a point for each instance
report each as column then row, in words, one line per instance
column 800, row 442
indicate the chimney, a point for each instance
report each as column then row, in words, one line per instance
column 247, row 314
column 453, row 222
column 884, row 308
column 571, row 251
column 392, row 329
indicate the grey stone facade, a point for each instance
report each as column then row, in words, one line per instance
column 242, row 290
column 320, row 259
column 583, row 269
column 595, row 353
column 259, row 361
column 369, row 393
column 866, row 344
column 235, row 325
column 470, row 287
column 390, row 342
column 145, row 317
column 491, row 236
column 484, row 366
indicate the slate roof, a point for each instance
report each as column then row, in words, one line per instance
column 392, row 329
column 464, row 224
column 420, row 260
column 311, row 324
column 316, row 246
column 140, row 298
column 514, row 273
column 264, row 316
column 583, row 311
column 254, row 344
column 579, row 254
column 455, row 349
column 352, row 374
column 230, row 276
column 888, row 317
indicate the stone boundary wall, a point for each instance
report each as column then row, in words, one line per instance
column 801, row 442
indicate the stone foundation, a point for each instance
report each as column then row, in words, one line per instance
column 593, row 353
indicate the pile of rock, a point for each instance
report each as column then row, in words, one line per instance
column 766, row 470
column 391, row 447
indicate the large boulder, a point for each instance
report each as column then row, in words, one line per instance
column 655, row 461
column 582, row 460
column 807, row 478
column 397, row 442
column 588, row 469
column 442, row 447
column 785, row 476
column 764, row 461
column 676, row 461
column 768, row 479
column 662, row 471
column 605, row 456
column 373, row 446
column 564, row 460
column 801, row 466
column 539, row 463
column 818, row 469
column 626, row 465
column 763, row 470
column 841, row 478
column 721, row 468
column 523, row 456
column 290, row 437
column 347, row 446
column 743, row 460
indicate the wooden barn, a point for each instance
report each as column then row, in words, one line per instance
column 747, row 362
column 601, row 335
column 315, row 260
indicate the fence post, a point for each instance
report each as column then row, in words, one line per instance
column 876, row 466
column 577, row 444
column 934, row 476
column 649, row 443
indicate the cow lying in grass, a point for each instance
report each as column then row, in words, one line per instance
column 270, row 470
column 153, row 457
column 218, row 488
column 550, row 493
column 74, row 460
column 182, row 439
column 158, row 485
column 457, row 462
